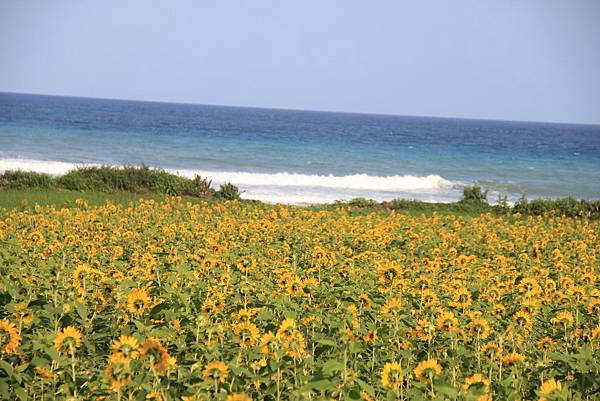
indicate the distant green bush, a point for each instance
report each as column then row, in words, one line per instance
column 228, row 191
column 110, row 179
column 16, row 179
column 474, row 194
column 570, row 207
column 363, row 203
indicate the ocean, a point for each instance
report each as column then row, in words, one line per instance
column 304, row 157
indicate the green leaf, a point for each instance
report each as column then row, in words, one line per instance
column 318, row 385
column 326, row 341
column 366, row 387
column 446, row 389
column 332, row 366
column 81, row 310
column 154, row 312
column 4, row 389
column 7, row 367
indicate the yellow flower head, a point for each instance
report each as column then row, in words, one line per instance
column 287, row 327
column 294, row 344
column 118, row 372
column 479, row 327
column 513, row 359
column 427, row 369
column 138, row 301
column 477, row 380
column 158, row 355
column 44, row 372
column 67, row 340
column 548, row 388
column 270, row 344
column 247, row 333
column 216, row 371
column 392, row 375
column 126, row 345
column 9, row 337
column 238, row 397
column 393, row 306
column 564, row 319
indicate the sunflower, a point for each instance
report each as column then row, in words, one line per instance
column 247, row 333
column 461, row 299
column 425, row 330
column 68, row 339
column 23, row 313
column 159, row 356
column 287, row 327
column 238, row 397
column 371, row 337
column 216, row 371
column 426, row 370
column 546, row 344
column 270, row 345
column 294, row 345
column 477, row 381
column 564, row 319
column 479, row 327
column 447, row 321
column 9, row 337
column 523, row 319
column 428, row 298
column 594, row 307
column 36, row 238
column 513, row 358
column 118, row 372
column 126, row 345
column 595, row 334
column 138, row 301
column 246, row 264
column 392, row 375
column 79, row 275
column 548, row 388
column 366, row 396
column 44, row 372
column 392, row 307
column 154, row 396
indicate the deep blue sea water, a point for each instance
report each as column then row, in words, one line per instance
column 304, row 156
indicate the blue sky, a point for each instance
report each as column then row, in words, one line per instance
column 518, row 60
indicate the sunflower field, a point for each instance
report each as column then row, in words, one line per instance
column 234, row 301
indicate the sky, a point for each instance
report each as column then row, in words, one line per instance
column 536, row 60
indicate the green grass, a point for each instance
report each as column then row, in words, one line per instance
column 110, row 179
column 122, row 185
column 15, row 198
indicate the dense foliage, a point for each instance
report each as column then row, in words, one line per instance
column 236, row 301
column 110, row 179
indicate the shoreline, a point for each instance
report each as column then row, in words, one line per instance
column 306, row 189
column 128, row 183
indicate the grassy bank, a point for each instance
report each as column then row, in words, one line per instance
column 122, row 185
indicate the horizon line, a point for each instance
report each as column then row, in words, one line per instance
column 189, row 103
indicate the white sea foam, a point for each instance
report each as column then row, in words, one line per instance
column 392, row 183
column 286, row 187
column 39, row 166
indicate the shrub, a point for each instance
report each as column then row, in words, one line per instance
column 229, row 191
column 203, row 185
column 474, row 194
column 17, row 179
column 363, row 203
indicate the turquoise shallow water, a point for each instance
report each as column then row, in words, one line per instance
column 302, row 156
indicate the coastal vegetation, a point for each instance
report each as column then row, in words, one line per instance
column 184, row 298
column 122, row 184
